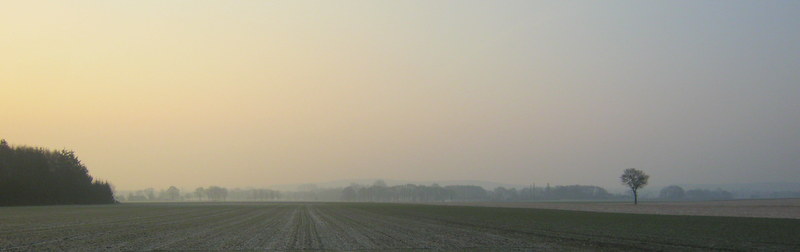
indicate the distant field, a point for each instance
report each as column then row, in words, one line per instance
column 351, row 226
column 762, row 208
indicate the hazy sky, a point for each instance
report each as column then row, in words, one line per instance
column 254, row 93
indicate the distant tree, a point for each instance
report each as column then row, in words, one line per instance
column 503, row 194
column 150, row 193
column 578, row 192
column 379, row 183
column 224, row 193
column 307, row 187
column 137, row 196
column 173, row 193
column 380, row 191
column 466, row 193
column 200, row 192
column 349, row 193
column 634, row 179
column 672, row 192
column 216, row 193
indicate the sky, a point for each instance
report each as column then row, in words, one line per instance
column 259, row 93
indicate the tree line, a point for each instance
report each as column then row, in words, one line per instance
column 377, row 192
column 211, row 193
column 38, row 176
column 380, row 192
column 674, row 192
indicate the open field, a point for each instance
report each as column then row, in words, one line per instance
column 762, row 208
column 351, row 226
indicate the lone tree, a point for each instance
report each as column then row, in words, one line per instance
column 634, row 179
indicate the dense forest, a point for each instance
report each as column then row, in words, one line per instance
column 38, row 176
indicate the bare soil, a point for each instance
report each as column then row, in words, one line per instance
column 386, row 226
column 766, row 208
column 236, row 226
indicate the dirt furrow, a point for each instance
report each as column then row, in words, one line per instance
column 257, row 235
column 191, row 231
column 230, row 235
column 340, row 233
column 427, row 233
column 283, row 237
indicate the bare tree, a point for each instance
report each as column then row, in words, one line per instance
column 634, row 179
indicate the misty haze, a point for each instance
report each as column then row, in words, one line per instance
column 400, row 125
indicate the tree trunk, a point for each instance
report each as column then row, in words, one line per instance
column 635, row 198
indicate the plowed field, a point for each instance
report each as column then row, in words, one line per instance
column 762, row 208
column 359, row 226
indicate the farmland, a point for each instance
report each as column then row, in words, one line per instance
column 355, row 226
column 761, row 208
